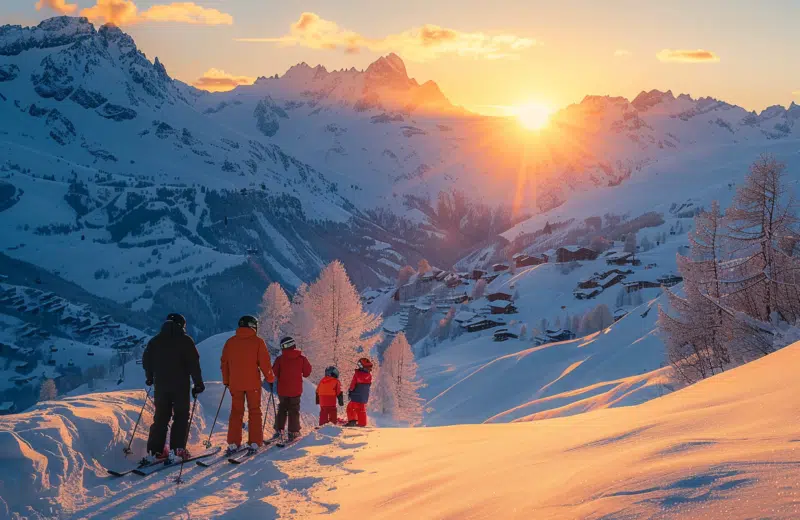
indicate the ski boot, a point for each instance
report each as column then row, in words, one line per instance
column 253, row 448
column 276, row 436
column 351, row 423
column 231, row 449
column 293, row 436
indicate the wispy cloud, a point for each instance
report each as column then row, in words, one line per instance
column 418, row 44
column 687, row 56
column 621, row 53
column 217, row 80
column 125, row 12
column 59, row 6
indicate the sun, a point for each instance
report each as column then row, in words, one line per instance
column 533, row 116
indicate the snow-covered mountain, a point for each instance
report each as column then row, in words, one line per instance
column 153, row 195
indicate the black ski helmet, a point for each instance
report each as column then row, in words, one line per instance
column 287, row 342
column 248, row 321
column 332, row 372
column 177, row 319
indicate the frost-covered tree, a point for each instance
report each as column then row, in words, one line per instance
column 479, row 290
column 399, row 384
column 445, row 325
column 630, row 243
column 404, row 275
column 341, row 331
column 596, row 319
column 299, row 327
column 523, row 332
column 423, row 266
column 276, row 312
column 48, row 390
column 646, row 244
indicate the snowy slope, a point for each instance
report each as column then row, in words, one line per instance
column 724, row 448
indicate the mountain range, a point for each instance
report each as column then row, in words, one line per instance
column 150, row 194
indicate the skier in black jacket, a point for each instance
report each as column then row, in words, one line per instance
column 169, row 360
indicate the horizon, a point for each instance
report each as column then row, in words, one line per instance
column 488, row 63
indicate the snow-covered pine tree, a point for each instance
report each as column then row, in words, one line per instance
column 276, row 312
column 646, row 244
column 404, row 275
column 630, row 243
column 48, row 390
column 479, row 290
column 400, row 383
column 341, row 331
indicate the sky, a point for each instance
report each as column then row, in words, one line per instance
column 485, row 56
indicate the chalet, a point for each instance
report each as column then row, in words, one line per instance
column 610, row 279
column 481, row 324
column 575, row 253
column 499, row 268
column 464, row 316
column 428, row 277
column 499, row 295
column 504, row 335
column 477, row 274
column 452, row 282
column 441, row 275
column 526, row 261
column 619, row 314
column 502, row 307
column 622, row 259
column 668, row 280
column 24, row 367
column 456, row 299
column 553, row 336
column 586, row 294
column 7, row 408
column 638, row 285
column 588, row 283
column 368, row 296
column 490, row 277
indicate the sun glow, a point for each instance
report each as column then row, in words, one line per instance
column 533, row 116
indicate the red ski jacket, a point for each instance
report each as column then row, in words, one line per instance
column 290, row 368
column 359, row 386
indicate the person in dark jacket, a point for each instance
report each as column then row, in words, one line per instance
column 169, row 361
column 358, row 393
column 289, row 368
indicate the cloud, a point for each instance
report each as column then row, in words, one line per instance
column 687, row 56
column 621, row 53
column 59, row 6
column 418, row 44
column 125, row 12
column 217, row 80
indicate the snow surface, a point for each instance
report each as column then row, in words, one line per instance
column 723, row 448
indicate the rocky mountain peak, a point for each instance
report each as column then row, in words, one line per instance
column 646, row 100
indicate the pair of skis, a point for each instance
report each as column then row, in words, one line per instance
column 161, row 464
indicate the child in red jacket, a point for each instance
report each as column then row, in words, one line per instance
column 359, row 394
column 329, row 391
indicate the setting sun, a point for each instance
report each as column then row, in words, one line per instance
column 533, row 116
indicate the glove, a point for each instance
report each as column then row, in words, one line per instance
column 317, row 398
column 341, row 399
column 149, row 382
column 198, row 389
column 266, row 385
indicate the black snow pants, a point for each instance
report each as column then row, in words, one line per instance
column 170, row 404
column 288, row 407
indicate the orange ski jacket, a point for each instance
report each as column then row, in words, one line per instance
column 242, row 357
column 328, row 390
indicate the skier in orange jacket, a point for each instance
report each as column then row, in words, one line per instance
column 329, row 390
column 243, row 356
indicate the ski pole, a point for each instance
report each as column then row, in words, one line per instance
column 207, row 443
column 191, row 418
column 127, row 449
column 271, row 399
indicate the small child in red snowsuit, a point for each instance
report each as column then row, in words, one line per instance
column 329, row 390
column 359, row 394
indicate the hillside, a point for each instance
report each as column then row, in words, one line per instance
column 722, row 448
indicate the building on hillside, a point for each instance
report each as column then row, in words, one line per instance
column 480, row 324
column 442, row 275
column 586, row 294
column 428, row 277
column 464, row 316
column 610, row 279
column 622, row 259
column 490, row 277
column 455, row 299
column 7, row 408
column 477, row 274
column 368, row 296
column 554, row 336
column 504, row 335
column 619, row 314
column 499, row 295
column 638, row 285
column 527, row 261
column 575, row 254
column 502, row 307
column 499, row 268
column 668, row 280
